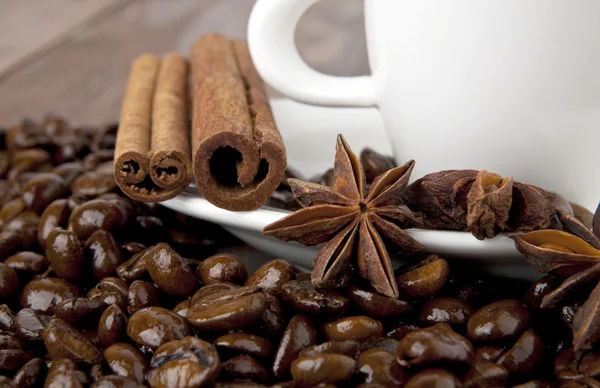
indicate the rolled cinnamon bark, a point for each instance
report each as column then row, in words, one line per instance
column 238, row 154
column 152, row 154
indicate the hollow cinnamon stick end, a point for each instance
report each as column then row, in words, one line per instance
column 131, row 168
column 171, row 169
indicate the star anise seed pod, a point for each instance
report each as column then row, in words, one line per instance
column 351, row 221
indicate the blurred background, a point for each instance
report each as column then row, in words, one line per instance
column 72, row 57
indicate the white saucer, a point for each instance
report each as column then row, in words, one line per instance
column 309, row 133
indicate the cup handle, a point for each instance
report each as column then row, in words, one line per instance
column 271, row 42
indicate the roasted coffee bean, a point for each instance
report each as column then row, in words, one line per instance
column 110, row 284
column 307, row 299
column 537, row 291
column 244, row 367
column 485, row 374
column 568, row 313
column 13, row 358
column 324, row 368
column 77, row 309
column 357, row 328
column 188, row 362
column 31, row 324
column 11, row 209
column 111, row 326
column 114, row 381
column 9, row 282
column 154, row 326
column 93, row 184
column 141, row 294
column 125, row 360
column 10, row 242
column 28, row 262
column 229, row 310
column 380, row 367
column 241, row 342
column 8, row 321
column 135, row 268
column 298, row 335
column 272, row 275
column 69, row 171
column 4, row 164
column 42, row 189
column 445, row 310
column 182, row 308
column 64, row 341
column 524, row 355
column 92, row 160
column 170, row 272
column 272, row 320
column 222, row 267
column 65, row 253
column 131, row 248
column 424, row 278
column 437, row 343
column 210, row 289
column 488, row 353
column 401, row 330
column 433, row 378
column 377, row 305
column 239, row 384
column 96, row 214
column 385, row 343
column 43, row 294
column 499, row 320
column 348, row 348
column 103, row 251
column 32, row 374
column 64, row 373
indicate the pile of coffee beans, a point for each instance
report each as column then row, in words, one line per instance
column 96, row 289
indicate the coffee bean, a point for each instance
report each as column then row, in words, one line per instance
column 65, row 253
column 11, row 209
column 96, row 372
column 222, row 268
column 272, row 320
column 42, row 189
column 154, row 326
column 43, row 294
column 141, row 294
column 488, row 353
column 433, row 378
column 524, row 355
column 485, row 374
column 210, row 289
column 324, row 368
column 12, row 359
column 272, row 275
column 7, row 319
column 499, row 320
column 69, row 171
column 103, row 251
column 56, row 215
column 28, row 262
column 31, row 324
column 135, row 268
column 424, row 278
column 92, row 184
column 114, row 381
column 109, row 284
column 357, row 328
column 307, row 299
column 111, row 326
column 537, row 291
column 188, row 362
column 9, row 282
column 401, row 330
column 64, row 373
column 125, row 360
column 380, row 367
column 32, row 374
column 170, row 272
column 298, row 335
column 131, row 248
column 437, row 343
column 244, row 367
column 445, row 310
column 96, row 214
column 182, row 308
column 377, row 305
column 384, row 343
column 238, row 384
column 64, row 341
column 92, row 160
column 245, row 343
column 348, row 348
column 78, row 309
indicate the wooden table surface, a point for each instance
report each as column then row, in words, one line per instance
column 72, row 57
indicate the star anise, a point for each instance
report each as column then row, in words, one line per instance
column 351, row 221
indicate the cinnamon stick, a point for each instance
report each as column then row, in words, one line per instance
column 238, row 154
column 152, row 154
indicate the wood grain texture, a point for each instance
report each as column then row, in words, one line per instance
column 84, row 77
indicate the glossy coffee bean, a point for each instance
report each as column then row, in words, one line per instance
column 247, row 343
column 272, row 275
column 103, row 251
column 239, row 384
column 433, row 378
column 243, row 367
column 8, row 321
column 78, row 309
column 537, row 291
column 109, row 284
column 524, row 355
column 488, row 353
column 92, row 160
column 358, row 328
column 111, row 326
column 131, row 248
column 11, row 209
column 114, row 381
column 42, row 189
column 348, row 348
column 170, row 272
column 380, row 367
column 31, row 324
column 56, row 215
column 9, row 282
column 445, row 310
column 377, row 305
column 65, row 253
column 141, row 294
column 424, row 278
column 401, row 330
column 272, row 320
column 222, row 268
column 12, row 359
column 437, row 343
column 135, row 267
column 182, row 308
column 28, row 262
column 92, row 184
column 32, row 374
column 64, row 373
column 307, row 299
column 125, row 360
column 43, row 294
column 154, row 326
column 298, row 335
column 499, row 320
column 69, row 171
column 96, row 214
column 64, row 341
column 485, row 374
column 229, row 310
column 324, row 368
column 210, row 289
column 188, row 362
column 384, row 343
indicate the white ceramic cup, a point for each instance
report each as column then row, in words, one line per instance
column 510, row 86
